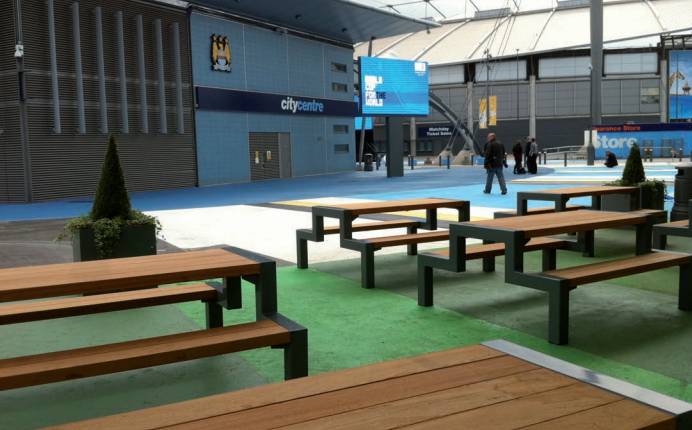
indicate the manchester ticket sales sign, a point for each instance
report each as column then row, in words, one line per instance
column 435, row 131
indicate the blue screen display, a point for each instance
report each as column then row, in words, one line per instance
column 394, row 87
column 679, row 77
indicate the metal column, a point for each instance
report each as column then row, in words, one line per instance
column 596, row 70
column 663, row 91
column 143, row 106
column 57, row 128
column 101, row 70
column 412, row 136
column 79, row 78
column 361, row 149
column 180, row 115
column 395, row 146
column 469, row 105
column 122, row 73
column 158, row 36
column 532, row 106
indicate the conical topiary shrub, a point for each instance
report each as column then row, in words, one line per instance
column 111, row 199
column 112, row 229
column 633, row 173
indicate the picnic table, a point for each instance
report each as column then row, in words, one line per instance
column 498, row 385
column 516, row 232
column 347, row 213
column 107, row 286
column 560, row 196
column 104, row 276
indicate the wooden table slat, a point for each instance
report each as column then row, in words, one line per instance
column 438, row 404
column 296, row 412
column 192, row 410
column 397, row 205
column 622, row 415
column 587, row 191
column 32, row 282
column 562, row 222
column 525, row 411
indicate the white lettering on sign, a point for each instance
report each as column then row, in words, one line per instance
column 606, row 142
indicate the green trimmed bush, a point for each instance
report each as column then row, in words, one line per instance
column 633, row 173
column 111, row 210
column 652, row 193
column 111, row 199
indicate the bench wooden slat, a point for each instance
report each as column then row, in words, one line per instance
column 368, row 226
column 407, row 239
column 98, row 360
column 542, row 210
column 589, row 273
column 676, row 224
column 54, row 280
column 73, row 306
column 498, row 249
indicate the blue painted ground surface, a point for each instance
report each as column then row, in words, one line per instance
column 459, row 183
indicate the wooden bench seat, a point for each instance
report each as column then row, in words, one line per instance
column 475, row 252
column 440, row 259
column 98, row 360
column 72, row 306
column 371, row 226
column 559, row 283
column 407, row 239
column 305, row 235
column 682, row 228
column 589, row 273
column 536, row 211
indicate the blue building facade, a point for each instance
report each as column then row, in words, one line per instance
column 268, row 70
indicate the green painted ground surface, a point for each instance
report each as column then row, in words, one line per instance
column 635, row 334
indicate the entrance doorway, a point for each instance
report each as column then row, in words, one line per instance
column 270, row 156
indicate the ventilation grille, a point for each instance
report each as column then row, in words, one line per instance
column 492, row 13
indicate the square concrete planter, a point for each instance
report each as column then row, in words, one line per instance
column 135, row 241
column 646, row 199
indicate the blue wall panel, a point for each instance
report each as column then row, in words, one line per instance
column 266, row 60
column 308, row 145
column 334, row 54
column 222, row 147
column 306, row 67
column 202, row 27
column 340, row 161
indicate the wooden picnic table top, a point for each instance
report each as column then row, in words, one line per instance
column 476, row 387
column 562, row 222
column 34, row 282
column 397, row 205
column 584, row 191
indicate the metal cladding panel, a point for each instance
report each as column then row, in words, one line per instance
column 68, row 164
column 11, row 159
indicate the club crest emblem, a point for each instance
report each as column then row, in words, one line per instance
column 220, row 53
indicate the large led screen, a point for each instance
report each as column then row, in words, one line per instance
column 393, row 87
column 679, row 78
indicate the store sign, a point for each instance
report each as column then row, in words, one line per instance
column 247, row 101
column 435, row 131
column 220, row 53
column 661, row 139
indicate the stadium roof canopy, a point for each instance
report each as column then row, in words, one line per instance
column 340, row 20
column 508, row 33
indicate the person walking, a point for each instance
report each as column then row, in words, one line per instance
column 494, row 162
column 518, row 153
column 532, row 155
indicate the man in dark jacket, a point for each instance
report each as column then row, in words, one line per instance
column 494, row 162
